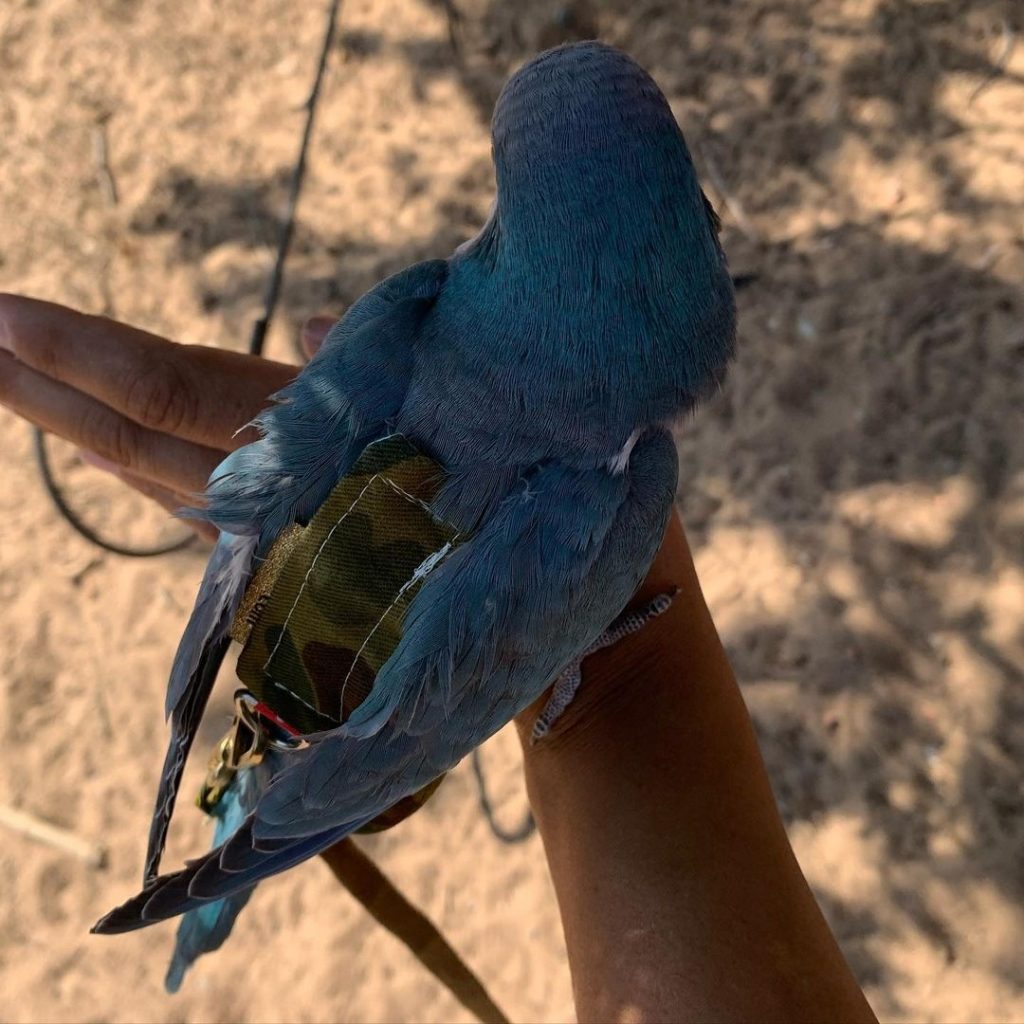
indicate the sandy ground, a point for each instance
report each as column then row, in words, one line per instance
column 855, row 497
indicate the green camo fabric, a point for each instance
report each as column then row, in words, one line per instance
column 334, row 612
column 324, row 611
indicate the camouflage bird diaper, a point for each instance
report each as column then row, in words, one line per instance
column 325, row 611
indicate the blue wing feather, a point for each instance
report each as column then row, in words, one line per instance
column 198, row 658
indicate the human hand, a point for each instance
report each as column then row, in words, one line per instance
column 157, row 414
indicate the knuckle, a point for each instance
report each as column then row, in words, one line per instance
column 109, row 435
column 94, row 432
column 160, row 396
column 124, row 443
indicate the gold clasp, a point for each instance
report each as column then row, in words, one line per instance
column 254, row 731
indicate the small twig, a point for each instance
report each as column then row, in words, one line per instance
column 52, row 835
column 732, row 204
column 989, row 257
column 998, row 66
column 101, row 157
column 106, row 721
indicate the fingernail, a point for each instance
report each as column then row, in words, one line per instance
column 92, row 459
column 315, row 329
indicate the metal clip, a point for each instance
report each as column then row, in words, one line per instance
column 255, row 730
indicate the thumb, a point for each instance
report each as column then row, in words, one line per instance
column 314, row 330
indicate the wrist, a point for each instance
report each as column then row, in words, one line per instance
column 628, row 670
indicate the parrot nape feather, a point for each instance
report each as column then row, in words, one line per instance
column 391, row 623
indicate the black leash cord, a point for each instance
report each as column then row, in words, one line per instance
column 504, row 835
column 259, row 329
column 53, row 489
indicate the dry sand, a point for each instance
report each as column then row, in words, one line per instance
column 855, row 496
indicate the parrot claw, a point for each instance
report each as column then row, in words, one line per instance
column 562, row 694
column 568, row 683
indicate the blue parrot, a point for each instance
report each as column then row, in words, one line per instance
column 541, row 365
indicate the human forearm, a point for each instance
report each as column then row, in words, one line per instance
column 680, row 895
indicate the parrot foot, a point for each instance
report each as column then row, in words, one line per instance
column 568, row 683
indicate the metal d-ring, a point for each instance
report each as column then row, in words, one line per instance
column 255, row 716
column 248, row 739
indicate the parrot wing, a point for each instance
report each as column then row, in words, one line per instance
column 488, row 631
column 200, row 651
column 311, row 437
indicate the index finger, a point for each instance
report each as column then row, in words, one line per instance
column 193, row 392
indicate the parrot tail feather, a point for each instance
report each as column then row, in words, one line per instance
column 202, row 931
column 206, row 928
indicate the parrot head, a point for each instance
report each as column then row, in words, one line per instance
column 570, row 104
column 585, row 143
column 601, row 240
